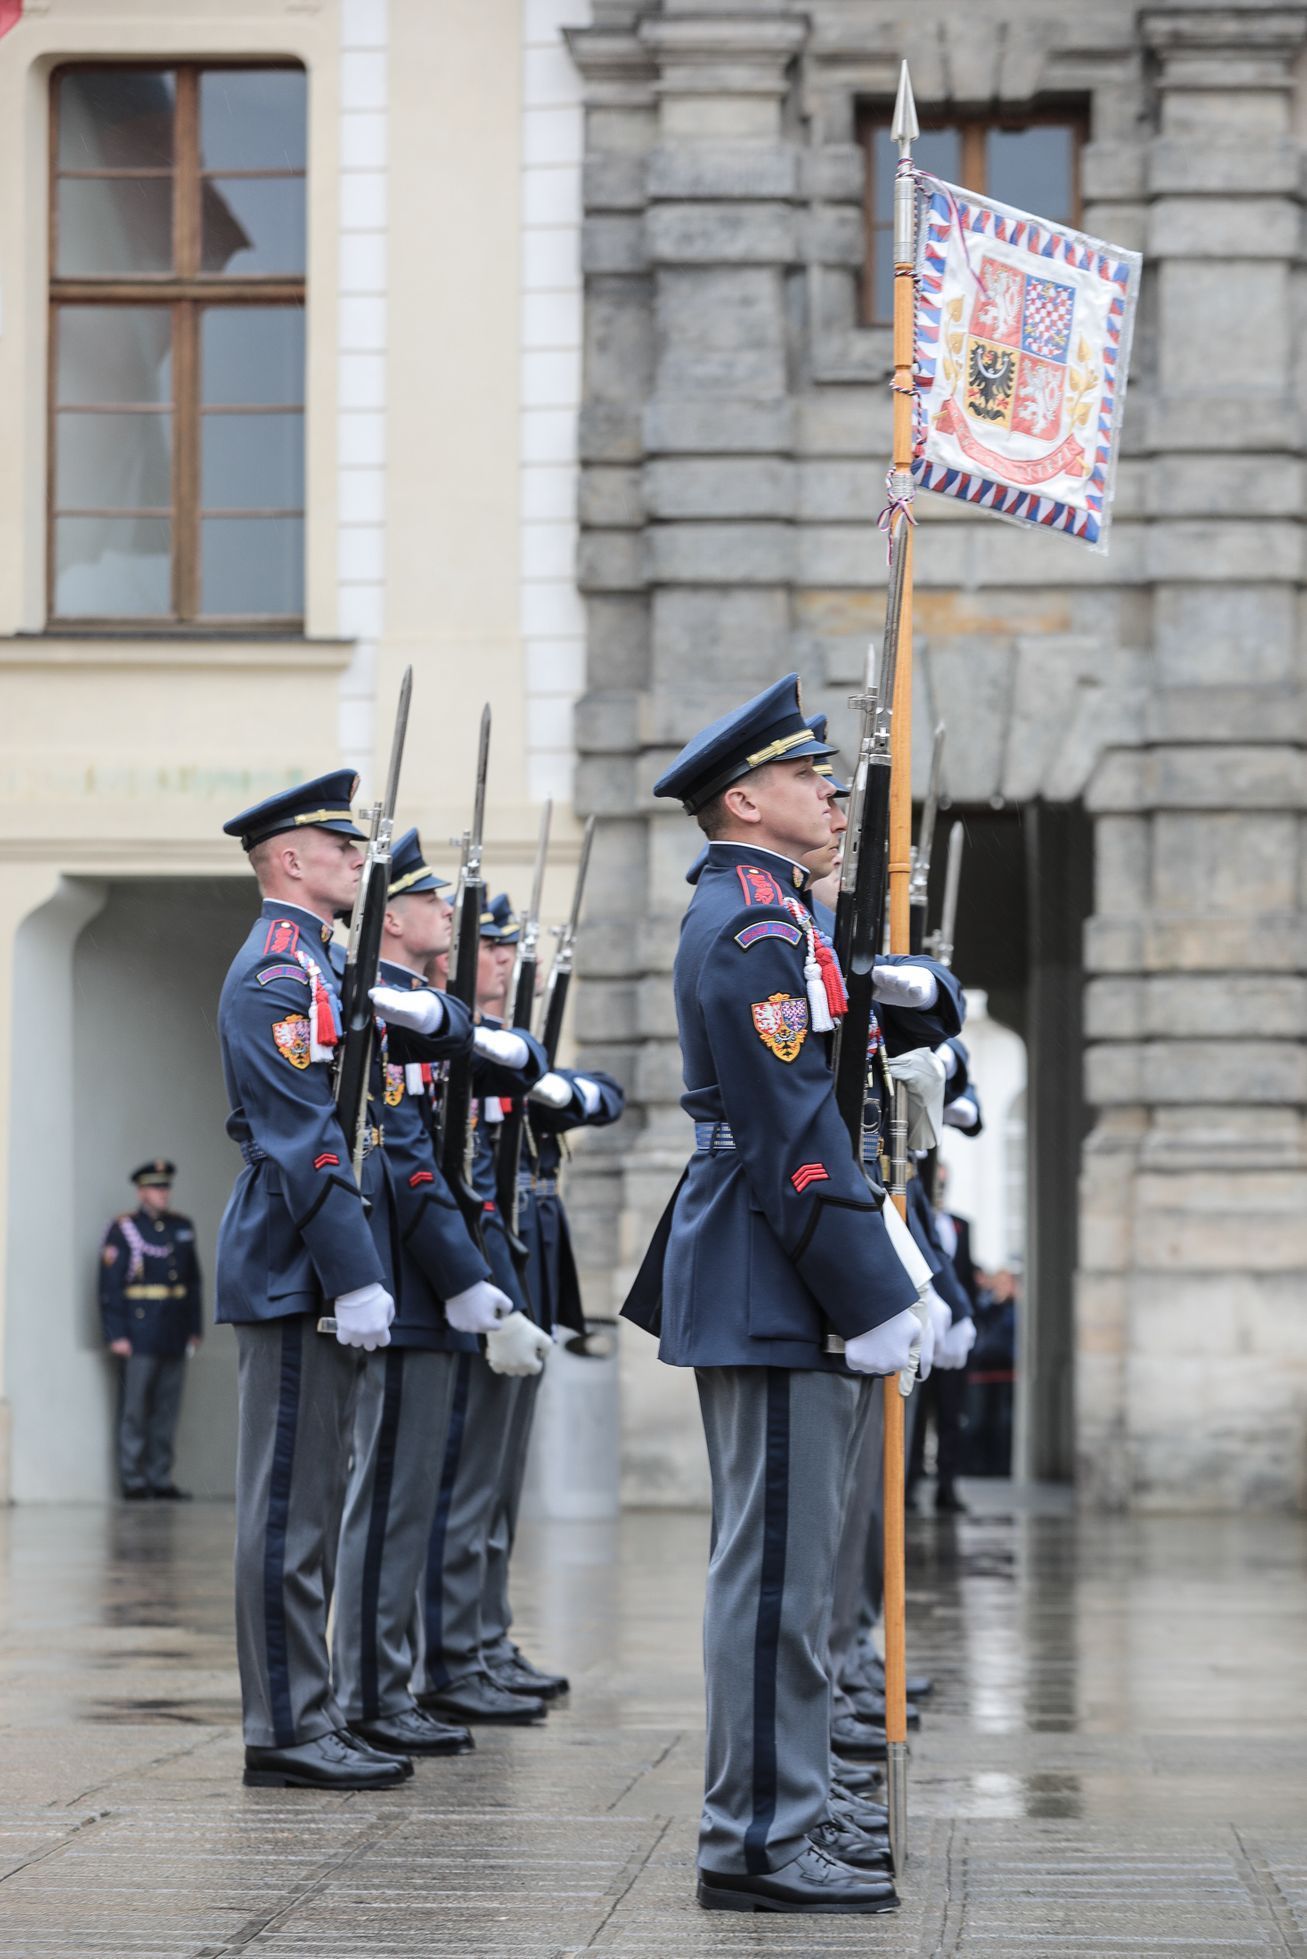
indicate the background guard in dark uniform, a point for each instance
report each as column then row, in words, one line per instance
column 773, row 1238
column 150, row 1309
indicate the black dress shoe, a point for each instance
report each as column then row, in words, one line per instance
column 171, row 1494
column 861, row 1850
column 871, row 1707
column 859, row 1779
column 919, row 1686
column 858, row 1739
column 412, row 1731
column 812, row 1882
column 370, row 1753
column 327, row 1763
column 518, row 1674
column 872, row 1819
column 479, row 1700
column 136, row 1494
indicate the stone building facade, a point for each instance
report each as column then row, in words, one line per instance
column 1126, row 734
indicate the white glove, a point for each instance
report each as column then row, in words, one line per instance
column 363, row 1317
column 942, row 1321
column 962, row 1113
column 922, row 1075
column 517, row 1346
column 886, row 1349
column 555, row 1091
column 904, row 986
column 926, row 1345
column 497, row 1044
column 590, row 1094
column 948, row 1055
column 479, row 1309
column 957, row 1344
column 421, row 1011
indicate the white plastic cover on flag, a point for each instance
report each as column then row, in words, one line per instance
column 1022, row 345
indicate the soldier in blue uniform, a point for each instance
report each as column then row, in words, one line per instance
column 562, row 1101
column 457, row 1683
column 150, row 1310
column 775, row 1239
column 299, row 1239
column 406, row 1395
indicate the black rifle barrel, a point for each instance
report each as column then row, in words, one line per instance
column 521, row 1007
column 354, row 1054
column 456, row 1101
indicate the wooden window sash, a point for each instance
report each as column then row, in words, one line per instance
column 184, row 290
column 972, row 131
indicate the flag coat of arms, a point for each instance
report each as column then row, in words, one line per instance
column 1022, row 345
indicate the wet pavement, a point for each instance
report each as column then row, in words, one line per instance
column 1114, row 1762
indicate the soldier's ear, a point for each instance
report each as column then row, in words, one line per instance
column 739, row 804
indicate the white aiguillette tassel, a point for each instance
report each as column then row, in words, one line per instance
column 819, row 1014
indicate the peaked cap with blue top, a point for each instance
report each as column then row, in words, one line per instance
column 498, row 925
column 769, row 728
column 817, row 722
column 409, row 870
column 323, row 804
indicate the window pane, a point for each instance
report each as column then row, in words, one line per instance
column 252, row 354
column 252, row 462
column 253, row 224
column 937, row 150
column 1033, row 169
column 113, row 462
column 114, row 225
column 252, row 566
column 116, row 119
column 253, row 119
column 114, row 353
column 112, row 567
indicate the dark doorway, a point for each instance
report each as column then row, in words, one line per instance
column 1027, row 889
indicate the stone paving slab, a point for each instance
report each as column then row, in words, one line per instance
column 1099, row 1775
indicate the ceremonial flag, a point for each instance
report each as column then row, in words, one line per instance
column 1022, row 342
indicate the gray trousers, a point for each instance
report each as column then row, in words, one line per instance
column 778, row 1448
column 401, row 1426
column 496, row 1612
column 296, row 1391
column 454, row 1582
column 858, row 1560
column 149, row 1402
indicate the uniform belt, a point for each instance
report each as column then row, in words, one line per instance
column 373, row 1139
column 713, row 1136
column 537, row 1186
column 253, row 1154
column 154, row 1292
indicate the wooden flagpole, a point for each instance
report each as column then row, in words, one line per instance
column 903, row 131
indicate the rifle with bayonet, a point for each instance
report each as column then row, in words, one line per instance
column 353, row 1064
column 521, row 1009
column 560, row 972
column 941, row 942
column 919, row 876
column 860, row 909
column 456, row 1133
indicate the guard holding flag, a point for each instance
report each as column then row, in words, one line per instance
column 774, row 1239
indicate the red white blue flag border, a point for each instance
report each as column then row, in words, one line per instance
column 942, row 207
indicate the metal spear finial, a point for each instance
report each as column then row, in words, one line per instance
column 905, row 128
